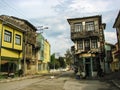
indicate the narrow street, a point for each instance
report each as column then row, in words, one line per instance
column 65, row 81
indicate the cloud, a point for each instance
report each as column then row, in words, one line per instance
column 82, row 8
column 38, row 8
column 54, row 14
column 111, row 37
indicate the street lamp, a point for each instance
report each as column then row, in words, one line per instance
column 41, row 28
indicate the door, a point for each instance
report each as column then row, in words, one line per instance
column 87, row 67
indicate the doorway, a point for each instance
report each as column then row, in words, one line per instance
column 88, row 67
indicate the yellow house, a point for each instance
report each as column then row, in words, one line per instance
column 46, row 56
column 11, row 42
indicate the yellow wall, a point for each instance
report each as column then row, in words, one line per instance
column 10, row 53
column 46, row 51
column 12, row 44
column 10, row 49
column 19, row 47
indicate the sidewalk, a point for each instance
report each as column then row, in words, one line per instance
column 114, row 77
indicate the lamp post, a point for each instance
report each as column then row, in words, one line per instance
column 41, row 28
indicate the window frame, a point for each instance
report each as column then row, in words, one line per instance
column 90, row 26
column 87, row 44
column 7, row 36
column 17, row 37
column 78, row 27
column 94, row 44
column 80, row 45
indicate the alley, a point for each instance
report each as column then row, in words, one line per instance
column 65, row 81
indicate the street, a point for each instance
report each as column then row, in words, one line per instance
column 65, row 81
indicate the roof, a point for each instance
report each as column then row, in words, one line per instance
column 25, row 21
column 117, row 21
column 97, row 16
column 28, row 23
column 10, row 24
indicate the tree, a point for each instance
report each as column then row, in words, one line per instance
column 68, row 57
column 54, row 63
column 62, row 62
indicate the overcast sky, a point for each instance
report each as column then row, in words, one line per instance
column 54, row 14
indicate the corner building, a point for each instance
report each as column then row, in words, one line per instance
column 88, row 37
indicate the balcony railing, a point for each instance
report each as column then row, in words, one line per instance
column 85, row 34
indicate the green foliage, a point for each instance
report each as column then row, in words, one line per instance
column 62, row 62
column 54, row 62
column 68, row 57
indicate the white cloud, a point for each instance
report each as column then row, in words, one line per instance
column 111, row 37
column 90, row 5
column 60, row 44
column 38, row 8
column 54, row 14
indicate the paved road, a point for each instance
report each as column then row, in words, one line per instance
column 65, row 81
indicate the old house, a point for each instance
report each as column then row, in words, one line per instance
column 11, row 45
column 87, row 33
column 28, row 61
column 43, row 54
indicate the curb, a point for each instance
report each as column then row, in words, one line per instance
column 115, row 83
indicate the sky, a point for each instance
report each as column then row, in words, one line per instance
column 54, row 14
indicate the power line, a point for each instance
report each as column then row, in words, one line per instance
column 11, row 7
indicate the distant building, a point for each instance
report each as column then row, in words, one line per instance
column 108, row 57
column 43, row 54
column 88, row 37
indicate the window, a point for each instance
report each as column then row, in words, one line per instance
column 89, row 26
column 94, row 43
column 7, row 36
column 78, row 27
column 87, row 45
column 17, row 39
column 80, row 44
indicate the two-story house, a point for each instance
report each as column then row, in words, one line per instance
column 11, row 45
column 28, row 63
column 46, row 55
column 43, row 54
column 88, row 37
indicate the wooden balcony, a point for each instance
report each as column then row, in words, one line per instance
column 85, row 34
